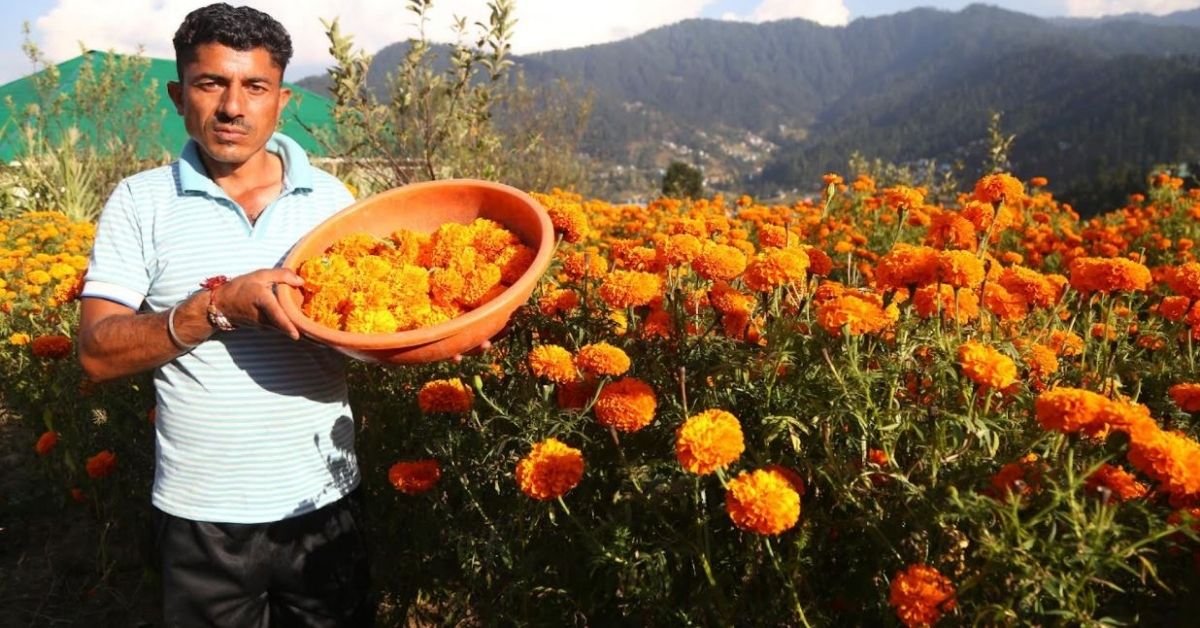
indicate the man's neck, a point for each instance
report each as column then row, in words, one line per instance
column 262, row 170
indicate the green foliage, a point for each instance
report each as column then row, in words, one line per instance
column 77, row 145
column 682, row 181
column 452, row 111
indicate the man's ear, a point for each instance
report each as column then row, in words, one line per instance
column 175, row 91
column 285, row 94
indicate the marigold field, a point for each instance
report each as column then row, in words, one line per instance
column 865, row 409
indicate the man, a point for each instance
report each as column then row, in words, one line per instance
column 258, row 521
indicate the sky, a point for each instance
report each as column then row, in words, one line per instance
column 60, row 27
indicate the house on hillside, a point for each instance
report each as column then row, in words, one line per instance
column 305, row 111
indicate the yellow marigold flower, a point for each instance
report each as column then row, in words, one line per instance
column 602, row 359
column 961, row 269
column 1095, row 274
column 416, row 476
column 1120, row 484
column 996, row 188
column 19, row 339
column 445, row 395
column 627, row 404
column 709, row 441
column 719, row 261
column 763, row 502
column 1186, row 396
column 39, row 277
column 550, row 470
column 986, row 366
column 774, row 268
column 920, row 595
column 553, row 363
column 630, row 288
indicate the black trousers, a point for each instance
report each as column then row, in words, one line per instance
column 308, row 570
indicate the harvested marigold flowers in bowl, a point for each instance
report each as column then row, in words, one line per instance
column 419, row 273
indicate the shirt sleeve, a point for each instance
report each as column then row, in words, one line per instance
column 119, row 268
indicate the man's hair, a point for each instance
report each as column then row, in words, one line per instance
column 240, row 28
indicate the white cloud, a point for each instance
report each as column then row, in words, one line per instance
column 542, row 24
column 1097, row 8
column 827, row 12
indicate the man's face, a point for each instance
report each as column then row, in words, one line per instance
column 230, row 101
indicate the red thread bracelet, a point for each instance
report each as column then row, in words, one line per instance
column 216, row 317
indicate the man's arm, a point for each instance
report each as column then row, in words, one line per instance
column 115, row 341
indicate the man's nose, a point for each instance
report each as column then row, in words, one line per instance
column 233, row 102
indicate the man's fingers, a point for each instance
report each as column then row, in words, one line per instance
column 275, row 313
column 283, row 275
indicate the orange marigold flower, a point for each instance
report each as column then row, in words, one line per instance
column 416, row 476
column 1042, row 360
column 627, row 404
column 1006, row 305
column 996, row 188
column 986, row 366
column 1070, row 410
column 19, row 339
column 858, row 315
column 602, row 359
column 727, row 300
column 961, row 269
column 719, row 261
column 556, row 301
column 902, row 196
column 101, row 465
column 630, row 288
column 1174, row 308
column 1184, row 280
column 1120, row 483
column 1186, row 396
column 709, row 441
column 54, row 347
column 776, row 267
column 553, row 363
column 445, row 395
column 1035, row 287
column 582, row 264
column 46, row 442
column 906, row 265
column 763, row 502
column 575, row 395
column 775, row 236
column 920, row 595
column 951, row 230
column 680, row 249
column 568, row 219
column 1097, row 274
column 550, row 470
column 961, row 305
column 1065, row 343
column 1019, row 478
column 1170, row 458
column 819, row 262
column 657, row 324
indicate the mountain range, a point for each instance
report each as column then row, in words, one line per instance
column 768, row 108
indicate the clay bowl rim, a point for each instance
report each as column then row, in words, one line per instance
column 290, row 297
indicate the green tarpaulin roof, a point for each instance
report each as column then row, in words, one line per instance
column 306, row 109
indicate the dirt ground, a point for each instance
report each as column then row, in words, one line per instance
column 52, row 570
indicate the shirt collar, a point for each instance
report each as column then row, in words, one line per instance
column 297, row 172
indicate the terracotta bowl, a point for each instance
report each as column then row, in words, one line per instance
column 423, row 207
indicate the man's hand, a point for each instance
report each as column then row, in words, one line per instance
column 250, row 299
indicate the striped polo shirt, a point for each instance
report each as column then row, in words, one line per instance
column 251, row 426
